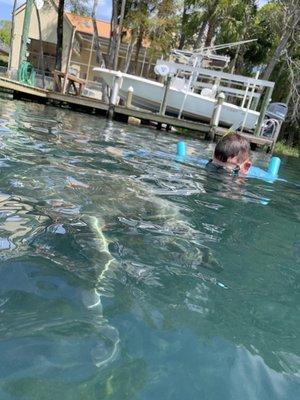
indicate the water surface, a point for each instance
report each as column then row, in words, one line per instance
column 138, row 277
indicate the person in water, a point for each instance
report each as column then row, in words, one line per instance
column 232, row 154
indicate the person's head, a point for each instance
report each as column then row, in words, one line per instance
column 233, row 151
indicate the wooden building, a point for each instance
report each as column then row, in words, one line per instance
column 83, row 55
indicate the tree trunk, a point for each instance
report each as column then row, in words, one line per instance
column 181, row 41
column 212, row 27
column 99, row 56
column 113, row 35
column 137, row 50
column 119, row 34
column 272, row 63
column 129, row 52
column 12, row 34
column 200, row 38
column 59, row 30
column 149, row 66
column 41, row 57
column 234, row 61
column 183, row 22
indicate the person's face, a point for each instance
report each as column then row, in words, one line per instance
column 243, row 167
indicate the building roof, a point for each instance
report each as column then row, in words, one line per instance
column 85, row 25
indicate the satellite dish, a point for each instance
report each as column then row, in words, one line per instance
column 161, row 69
column 39, row 4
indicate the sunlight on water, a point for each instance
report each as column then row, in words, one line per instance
column 140, row 277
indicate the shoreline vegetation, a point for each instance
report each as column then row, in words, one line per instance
column 281, row 148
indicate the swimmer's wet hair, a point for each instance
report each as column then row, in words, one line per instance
column 232, row 145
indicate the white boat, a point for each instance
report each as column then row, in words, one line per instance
column 148, row 94
column 188, row 77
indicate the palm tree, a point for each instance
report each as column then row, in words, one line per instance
column 59, row 30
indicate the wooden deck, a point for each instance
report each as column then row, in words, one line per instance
column 22, row 91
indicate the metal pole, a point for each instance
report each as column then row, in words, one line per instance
column 249, row 102
column 245, row 96
column 69, row 59
column 143, row 64
column 264, row 106
column 90, row 58
column 192, row 77
column 26, row 23
column 276, row 134
column 163, row 105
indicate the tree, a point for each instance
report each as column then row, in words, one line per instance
column 119, row 33
column 60, row 26
column 5, row 31
column 79, row 7
column 113, row 34
column 288, row 25
column 99, row 56
column 155, row 22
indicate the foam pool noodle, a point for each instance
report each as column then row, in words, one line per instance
column 180, row 150
column 273, row 167
column 254, row 172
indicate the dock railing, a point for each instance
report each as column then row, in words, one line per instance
column 246, row 92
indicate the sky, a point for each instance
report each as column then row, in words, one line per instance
column 103, row 12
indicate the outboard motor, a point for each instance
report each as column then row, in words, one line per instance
column 276, row 113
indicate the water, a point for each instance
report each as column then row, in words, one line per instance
column 139, row 278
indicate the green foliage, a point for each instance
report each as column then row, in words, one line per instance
column 156, row 20
column 191, row 23
column 79, row 7
column 264, row 29
column 284, row 149
column 5, row 27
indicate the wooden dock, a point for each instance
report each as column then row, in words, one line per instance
column 87, row 104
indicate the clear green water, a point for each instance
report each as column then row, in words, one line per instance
column 138, row 278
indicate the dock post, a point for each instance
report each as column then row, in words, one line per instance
column 129, row 97
column 163, row 105
column 114, row 95
column 215, row 118
column 262, row 113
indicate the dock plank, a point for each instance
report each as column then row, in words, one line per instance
column 22, row 87
column 78, row 100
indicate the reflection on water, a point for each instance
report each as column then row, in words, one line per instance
column 140, row 277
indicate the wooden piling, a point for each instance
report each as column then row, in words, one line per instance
column 163, row 105
column 114, row 95
column 215, row 118
column 129, row 97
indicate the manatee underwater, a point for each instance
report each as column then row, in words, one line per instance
column 72, row 212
